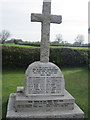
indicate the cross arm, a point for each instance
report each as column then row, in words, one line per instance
column 56, row 19
column 36, row 17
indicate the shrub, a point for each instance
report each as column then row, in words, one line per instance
column 18, row 56
column 68, row 57
column 21, row 56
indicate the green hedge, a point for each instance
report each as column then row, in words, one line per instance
column 21, row 57
column 69, row 57
column 37, row 44
column 18, row 56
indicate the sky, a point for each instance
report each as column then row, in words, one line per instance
column 15, row 16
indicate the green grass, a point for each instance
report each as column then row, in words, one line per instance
column 79, row 48
column 20, row 45
column 10, row 80
column 76, row 82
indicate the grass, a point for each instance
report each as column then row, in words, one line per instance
column 20, row 45
column 76, row 82
column 79, row 48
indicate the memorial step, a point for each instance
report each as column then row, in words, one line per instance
column 44, row 102
column 12, row 114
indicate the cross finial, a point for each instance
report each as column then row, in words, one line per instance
column 45, row 18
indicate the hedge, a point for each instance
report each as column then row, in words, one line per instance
column 69, row 57
column 21, row 57
column 37, row 44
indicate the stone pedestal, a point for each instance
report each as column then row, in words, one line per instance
column 43, row 95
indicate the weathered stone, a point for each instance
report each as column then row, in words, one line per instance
column 43, row 78
column 49, row 113
column 45, row 18
column 40, row 102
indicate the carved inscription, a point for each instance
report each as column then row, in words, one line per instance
column 44, row 80
column 46, row 104
column 53, row 85
column 36, row 85
column 45, row 71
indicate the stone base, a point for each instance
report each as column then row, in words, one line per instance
column 12, row 114
column 43, row 102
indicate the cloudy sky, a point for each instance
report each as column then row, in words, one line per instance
column 15, row 17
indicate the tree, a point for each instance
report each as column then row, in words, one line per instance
column 79, row 39
column 4, row 35
column 59, row 38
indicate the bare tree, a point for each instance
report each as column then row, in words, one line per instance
column 59, row 38
column 4, row 35
column 79, row 39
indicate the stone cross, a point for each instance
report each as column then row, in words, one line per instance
column 45, row 18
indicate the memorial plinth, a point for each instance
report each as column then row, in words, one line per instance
column 43, row 94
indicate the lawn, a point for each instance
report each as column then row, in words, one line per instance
column 76, row 82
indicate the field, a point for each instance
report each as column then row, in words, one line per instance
column 19, row 45
column 79, row 48
column 76, row 82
